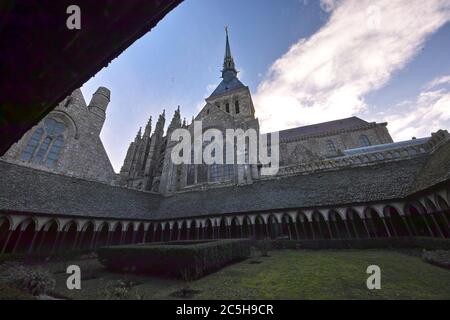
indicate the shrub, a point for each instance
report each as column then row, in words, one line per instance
column 191, row 260
column 439, row 258
column 33, row 280
column 264, row 246
column 11, row 293
column 375, row 243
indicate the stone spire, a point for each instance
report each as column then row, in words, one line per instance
column 148, row 128
column 159, row 129
column 138, row 135
column 229, row 69
column 176, row 121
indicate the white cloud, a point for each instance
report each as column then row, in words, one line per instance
column 429, row 113
column 437, row 82
column 326, row 76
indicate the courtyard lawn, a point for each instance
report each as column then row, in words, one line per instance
column 289, row 274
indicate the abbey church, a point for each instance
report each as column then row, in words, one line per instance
column 341, row 179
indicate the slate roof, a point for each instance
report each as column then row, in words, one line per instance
column 322, row 128
column 227, row 86
column 28, row 190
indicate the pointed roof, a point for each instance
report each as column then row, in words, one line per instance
column 230, row 81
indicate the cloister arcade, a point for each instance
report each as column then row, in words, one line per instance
column 428, row 216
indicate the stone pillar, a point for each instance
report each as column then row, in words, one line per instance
column 436, row 224
column 347, row 229
column 17, row 241
column 386, row 227
column 39, row 248
column 30, row 249
column 296, row 231
column 329, row 229
column 55, row 244
column 354, row 229
column 407, row 226
column 5, row 244
column 430, row 232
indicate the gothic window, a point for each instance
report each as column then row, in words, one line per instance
column 236, row 107
column 227, row 107
column 27, row 154
column 364, row 141
column 53, row 155
column 48, row 148
column 331, row 148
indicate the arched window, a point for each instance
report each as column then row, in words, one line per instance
column 227, row 107
column 34, row 141
column 49, row 147
column 236, row 107
column 364, row 141
column 331, row 148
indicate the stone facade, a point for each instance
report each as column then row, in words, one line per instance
column 67, row 141
column 230, row 106
column 344, row 179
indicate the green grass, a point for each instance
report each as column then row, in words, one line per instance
column 289, row 274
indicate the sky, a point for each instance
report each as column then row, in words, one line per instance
column 305, row 62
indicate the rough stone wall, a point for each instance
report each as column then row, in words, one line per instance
column 83, row 154
column 307, row 149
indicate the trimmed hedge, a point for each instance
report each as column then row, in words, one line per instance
column 438, row 258
column 11, row 293
column 188, row 260
column 377, row 243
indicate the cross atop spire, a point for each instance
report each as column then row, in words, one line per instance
column 229, row 69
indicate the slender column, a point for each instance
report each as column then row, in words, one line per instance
column 30, row 249
column 5, row 244
column 39, row 248
column 407, row 226
column 386, row 227
column 391, row 223
column 365, row 227
column 336, row 227
column 75, row 242
column 329, row 229
column 438, row 228
column 445, row 218
column 122, row 237
column 109, row 238
column 304, row 229
column 17, row 241
column 424, row 218
column 64, row 233
column 374, row 227
column 296, row 231
column 55, row 244
column 94, row 239
column 347, row 228
column 354, row 229
column 79, row 245
column 144, row 239
column 311, row 224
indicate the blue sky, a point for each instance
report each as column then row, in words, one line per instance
column 305, row 61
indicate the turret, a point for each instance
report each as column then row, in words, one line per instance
column 99, row 103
